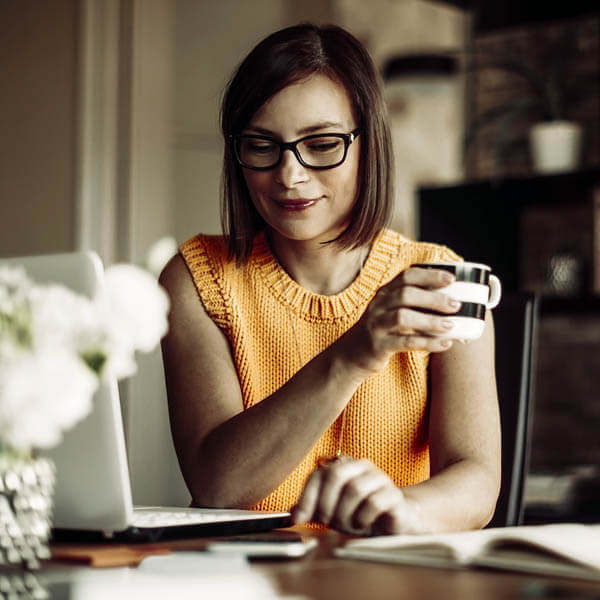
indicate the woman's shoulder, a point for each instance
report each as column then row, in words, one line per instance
column 204, row 245
column 206, row 259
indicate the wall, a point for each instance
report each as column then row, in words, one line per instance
column 210, row 39
column 426, row 110
column 146, row 195
column 38, row 63
column 85, row 160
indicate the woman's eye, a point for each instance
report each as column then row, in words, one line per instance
column 324, row 145
column 259, row 148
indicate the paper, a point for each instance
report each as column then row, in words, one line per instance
column 568, row 549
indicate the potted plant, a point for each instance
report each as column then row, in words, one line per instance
column 539, row 108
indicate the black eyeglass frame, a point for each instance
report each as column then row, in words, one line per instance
column 348, row 138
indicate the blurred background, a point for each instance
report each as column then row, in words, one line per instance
column 109, row 140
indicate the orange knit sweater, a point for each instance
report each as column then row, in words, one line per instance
column 386, row 419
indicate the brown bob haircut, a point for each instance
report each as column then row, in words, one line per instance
column 289, row 56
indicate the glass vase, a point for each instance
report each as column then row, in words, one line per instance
column 26, row 499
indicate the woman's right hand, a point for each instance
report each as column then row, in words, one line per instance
column 395, row 320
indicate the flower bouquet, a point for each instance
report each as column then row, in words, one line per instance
column 56, row 347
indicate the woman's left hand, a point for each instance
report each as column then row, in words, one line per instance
column 356, row 497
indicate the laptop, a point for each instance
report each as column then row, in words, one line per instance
column 93, row 499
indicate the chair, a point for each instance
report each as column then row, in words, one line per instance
column 515, row 321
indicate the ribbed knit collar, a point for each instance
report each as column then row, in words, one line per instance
column 316, row 307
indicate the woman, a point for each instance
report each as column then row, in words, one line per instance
column 304, row 371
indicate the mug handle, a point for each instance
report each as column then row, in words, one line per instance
column 495, row 292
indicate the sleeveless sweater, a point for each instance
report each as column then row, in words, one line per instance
column 254, row 305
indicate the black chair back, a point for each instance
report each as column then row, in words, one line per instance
column 515, row 321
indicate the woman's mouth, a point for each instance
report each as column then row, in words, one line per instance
column 296, row 204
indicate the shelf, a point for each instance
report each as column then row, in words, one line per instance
column 492, row 15
column 564, row 305
column 585, row 178
column 508, row 223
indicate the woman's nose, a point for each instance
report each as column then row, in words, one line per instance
column 290, row 172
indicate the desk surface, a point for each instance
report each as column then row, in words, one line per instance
column 321, row 576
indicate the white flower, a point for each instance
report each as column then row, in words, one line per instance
column 159, row 254
column 55, row 345
column 42, row 395
column 62, row 319
column 136, row 305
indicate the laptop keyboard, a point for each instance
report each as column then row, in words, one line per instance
column 148, row 517
column 158, row 516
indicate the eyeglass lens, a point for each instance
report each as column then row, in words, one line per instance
column 322, row 151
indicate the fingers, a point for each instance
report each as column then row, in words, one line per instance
column 336, row 476
column 353, row 496
column 406, row 321
column 406, row 329
column 386, row 512
column 306, row 508
column 401, row 292
column 428, row 278
column 410, row 304
column 319, row 498
column 411, row 313
column 351, row 503
column 405, row 343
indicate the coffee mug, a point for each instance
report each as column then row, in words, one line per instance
column 477, row 288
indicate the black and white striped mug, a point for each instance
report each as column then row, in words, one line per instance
column 477, row 288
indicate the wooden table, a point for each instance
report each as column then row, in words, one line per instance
column 321, row 576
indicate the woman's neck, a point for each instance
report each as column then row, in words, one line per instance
column 323, row 269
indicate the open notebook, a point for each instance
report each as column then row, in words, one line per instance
column 93, row 492
column 560, row 549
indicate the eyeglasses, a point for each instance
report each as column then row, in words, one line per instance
column 319, row 151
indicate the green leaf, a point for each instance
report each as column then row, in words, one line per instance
column 94, row 359
column 17, row 327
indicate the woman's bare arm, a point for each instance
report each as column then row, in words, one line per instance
column 464, row 436
column 464, row 433
column 228, row 456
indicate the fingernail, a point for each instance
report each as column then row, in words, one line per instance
column 454, row 303
column 447, row 324
column 446, row 343
column 446, row 277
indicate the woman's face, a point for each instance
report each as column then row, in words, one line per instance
column 297, row 202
